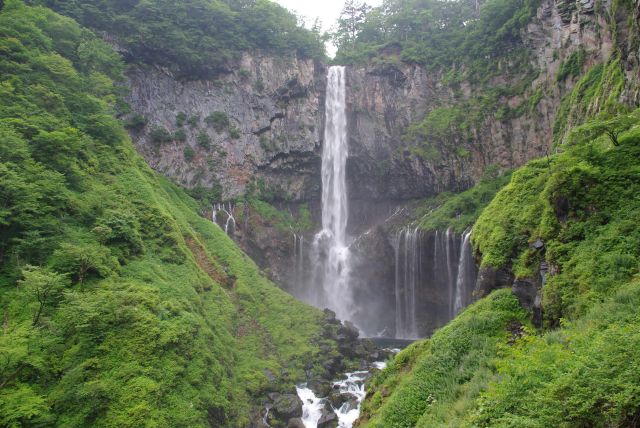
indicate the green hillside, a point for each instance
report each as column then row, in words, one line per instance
column 489, row 367
column 120, row 305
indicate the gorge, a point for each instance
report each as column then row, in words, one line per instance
column 207, row 222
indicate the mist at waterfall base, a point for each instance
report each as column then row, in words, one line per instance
column 431, row 274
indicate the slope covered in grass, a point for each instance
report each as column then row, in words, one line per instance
column 120, row 305
column 581, row 368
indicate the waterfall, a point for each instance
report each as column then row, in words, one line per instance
column 231, row 221
column 330, row 246
column 467, row 273
column 434, row 278
column 408, row 275
column 298, row 261
column 214, row 213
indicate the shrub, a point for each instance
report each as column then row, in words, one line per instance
column 194, row 121
column 203, row 140
column 160, row 135
column 180, row 135
column 234, row 133
column 136, row 123
column 188, row 153
column 219, row 120
column 181, row 118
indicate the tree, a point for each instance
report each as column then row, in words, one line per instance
column 44, row 285
column 612, row 127
column 351, row 20
column 82, row 260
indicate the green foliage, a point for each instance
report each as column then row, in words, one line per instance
column 433, row 381
column 267, row 144
column 203, row 140
column 136, row 122
column 582, row 375
column 195, row 38
column 234, row 133
column 460, row 210
column 181, row 119
column 122, row 307
column 180, row 135
column 572, row 67
column 206, row 196
column 442, row 129
column 597, row 92
column 435, row 33
column 581, row 369
column 43, row 287
column 193, row 121
column 263, row 213
column 188, row 153
column 218, row 119
column 580, row 203
column 160, row 135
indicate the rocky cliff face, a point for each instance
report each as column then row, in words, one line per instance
column 385, row 99
column 261, row 123
column 271, row 139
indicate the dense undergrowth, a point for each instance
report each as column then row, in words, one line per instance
column 581, row 369
column 121, row 306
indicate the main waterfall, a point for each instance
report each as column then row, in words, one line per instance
column 330, row 252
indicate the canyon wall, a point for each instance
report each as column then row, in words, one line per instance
column 272, row 142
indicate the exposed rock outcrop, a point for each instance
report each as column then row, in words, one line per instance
column 263, row 122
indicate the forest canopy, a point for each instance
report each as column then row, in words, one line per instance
column 195, row 38
column 431, row 32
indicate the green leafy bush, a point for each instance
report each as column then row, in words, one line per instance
column 180, row 135
column 234, row 133
column 188, row 153
column 219, row 120
column 203, row 140
column 136, row 122
column 181, row 119
column 160, row 135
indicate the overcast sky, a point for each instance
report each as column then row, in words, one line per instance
column 327, row 10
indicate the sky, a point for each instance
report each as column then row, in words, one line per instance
column 327, row 10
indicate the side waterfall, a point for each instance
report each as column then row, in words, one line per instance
column 434, row 271
column 467, row 274
column 330, row 252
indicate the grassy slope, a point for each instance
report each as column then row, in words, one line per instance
column 582, row 368
column 154, row 317
column 459, row 210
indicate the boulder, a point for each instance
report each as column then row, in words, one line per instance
column 337, row 399
column 285, row 406
column 320, row 387
column 490, row 279
column 329, row 419
column 295, row 423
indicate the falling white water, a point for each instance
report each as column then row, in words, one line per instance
column 428, row 265
column 214, row 214
column 450, row 241
column 298, row 260
column 231, row 221
column 408, row 276
column 330, row 247
column 311, row 406
column 353, row 384
column 466, row 274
